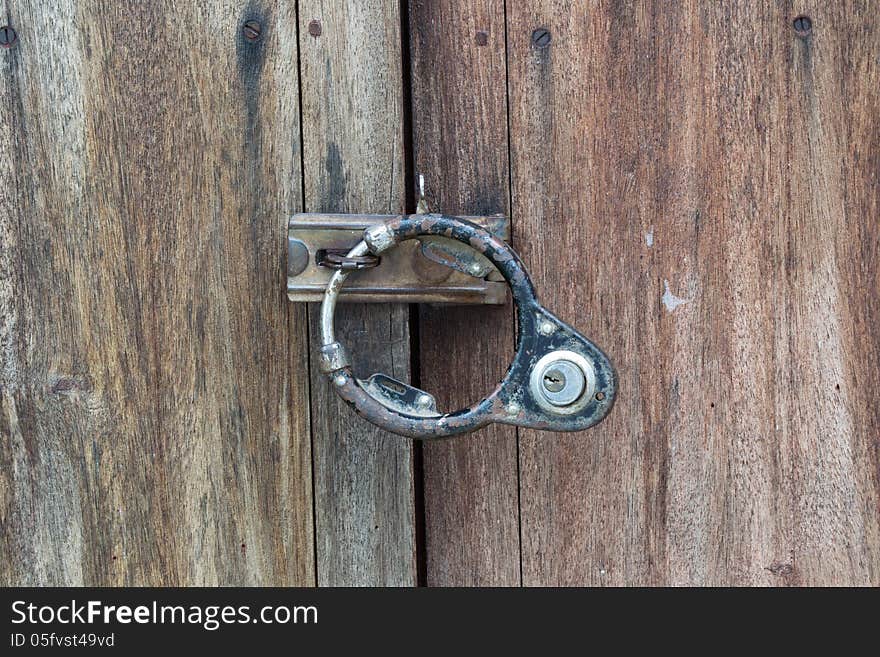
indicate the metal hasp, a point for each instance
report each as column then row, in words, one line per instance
column 558, row 380
column 428, row 270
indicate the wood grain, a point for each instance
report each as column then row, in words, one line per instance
column 694, row 186
column 459, row 96
column 353, row 162
column 152, row 431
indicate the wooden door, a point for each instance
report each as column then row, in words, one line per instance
column 692, row 185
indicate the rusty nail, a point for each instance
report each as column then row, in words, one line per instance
column 252, row 30
column 315, row 28
column 8, row 37
column 802, row 26
column 541, row 37
column 482, row 37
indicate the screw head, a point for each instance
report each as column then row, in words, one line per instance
column 802, row 25
column 424, row 401
column 546, row 328
column 8, row 37
column 315, row 28
column 541, row 37
column 252, row 30
column 512, row 408
column 482, row 37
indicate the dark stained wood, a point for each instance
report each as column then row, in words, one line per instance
column 154, row 423
column 353, row 162
column 460, row 145
column 694, row 186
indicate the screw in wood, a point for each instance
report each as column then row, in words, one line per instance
column 8, row 37
column 802, row 26
column 315, row 28
column 541, row 37
column 252, row 30
column 482, row 37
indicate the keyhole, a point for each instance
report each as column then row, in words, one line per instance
column 554, row 380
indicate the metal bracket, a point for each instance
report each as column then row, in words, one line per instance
column 430, row 269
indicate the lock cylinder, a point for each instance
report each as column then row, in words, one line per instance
column 562, row 382
column 569, row 388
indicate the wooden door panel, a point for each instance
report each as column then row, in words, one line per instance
column 692, row 186
column 353, row 157
column 152, row 432
column 459, row 101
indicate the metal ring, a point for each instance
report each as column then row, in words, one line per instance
column 539, row 334
column 331, row 294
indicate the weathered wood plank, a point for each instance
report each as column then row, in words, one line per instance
column 353, row 162
column 702, row 181
column 152, row 432
column 460, row 144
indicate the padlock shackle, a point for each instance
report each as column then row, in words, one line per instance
column 539, row 335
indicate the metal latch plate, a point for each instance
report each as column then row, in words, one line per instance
column 423, row 270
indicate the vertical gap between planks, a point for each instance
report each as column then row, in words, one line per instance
column 418, row 463
column 302, row 183
column 511, row 237
column 418, row 470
